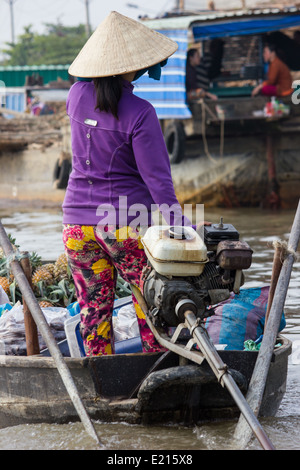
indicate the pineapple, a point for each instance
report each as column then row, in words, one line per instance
column 35, row 261
column 42, row 274
column 45, row 303
column 50, row 268
column 61, row 268
column 4, row 283
column 3, row 267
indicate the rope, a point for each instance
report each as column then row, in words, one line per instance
column 285, row 249
column 222, row 129
column 205, row 108
column 15, row 256
column 203, row 125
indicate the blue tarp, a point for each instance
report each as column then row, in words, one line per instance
column 240, row 318
column 244, row 27
column 168, row 96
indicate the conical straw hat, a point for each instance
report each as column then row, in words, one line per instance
column 121, row 45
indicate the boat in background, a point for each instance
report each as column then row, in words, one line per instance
column 242, row 155
column 34, row 148
column 225, row 155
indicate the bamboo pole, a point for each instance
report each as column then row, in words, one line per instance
column 259, row 377
column 31, row 332
column 277, row 265
column 46, row 332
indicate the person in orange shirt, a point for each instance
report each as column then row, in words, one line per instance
column 279, row 80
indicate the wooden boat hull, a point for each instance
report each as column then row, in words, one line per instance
column 31, row 390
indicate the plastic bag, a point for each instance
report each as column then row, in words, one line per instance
column 4, row 307
column 73, row 309
column 3, row 296
column 125, row 323
column 12, row 328
column 250, row 345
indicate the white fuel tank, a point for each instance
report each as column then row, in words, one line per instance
column 175, row 251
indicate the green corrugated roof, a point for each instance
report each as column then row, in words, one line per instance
column 13, row 68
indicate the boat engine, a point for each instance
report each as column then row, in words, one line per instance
column 184, row 265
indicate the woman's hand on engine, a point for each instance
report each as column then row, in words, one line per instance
column 201, row 225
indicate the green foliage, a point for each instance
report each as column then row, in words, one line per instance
column 59, row 45
column 122, row 288
column 60, row 294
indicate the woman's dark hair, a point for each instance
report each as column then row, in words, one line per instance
column 270, row 46
column 108, row 93
column 191, row 53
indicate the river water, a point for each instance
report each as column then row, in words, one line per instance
column 40, row 231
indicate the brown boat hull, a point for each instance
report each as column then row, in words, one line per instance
column 31, row 390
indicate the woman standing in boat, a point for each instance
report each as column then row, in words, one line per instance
column 120, row 165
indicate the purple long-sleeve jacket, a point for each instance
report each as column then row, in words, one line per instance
column 119, row 165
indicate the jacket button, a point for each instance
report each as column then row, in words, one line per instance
column 88, row 162
column 90, row 182
column 88, row 136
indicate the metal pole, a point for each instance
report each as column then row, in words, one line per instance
column 87, row 14
column 273, row 198
column 46, row 332
column 220, row 370
column 12, row 23
column 185, row 314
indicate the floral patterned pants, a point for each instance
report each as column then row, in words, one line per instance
column 96, row 256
